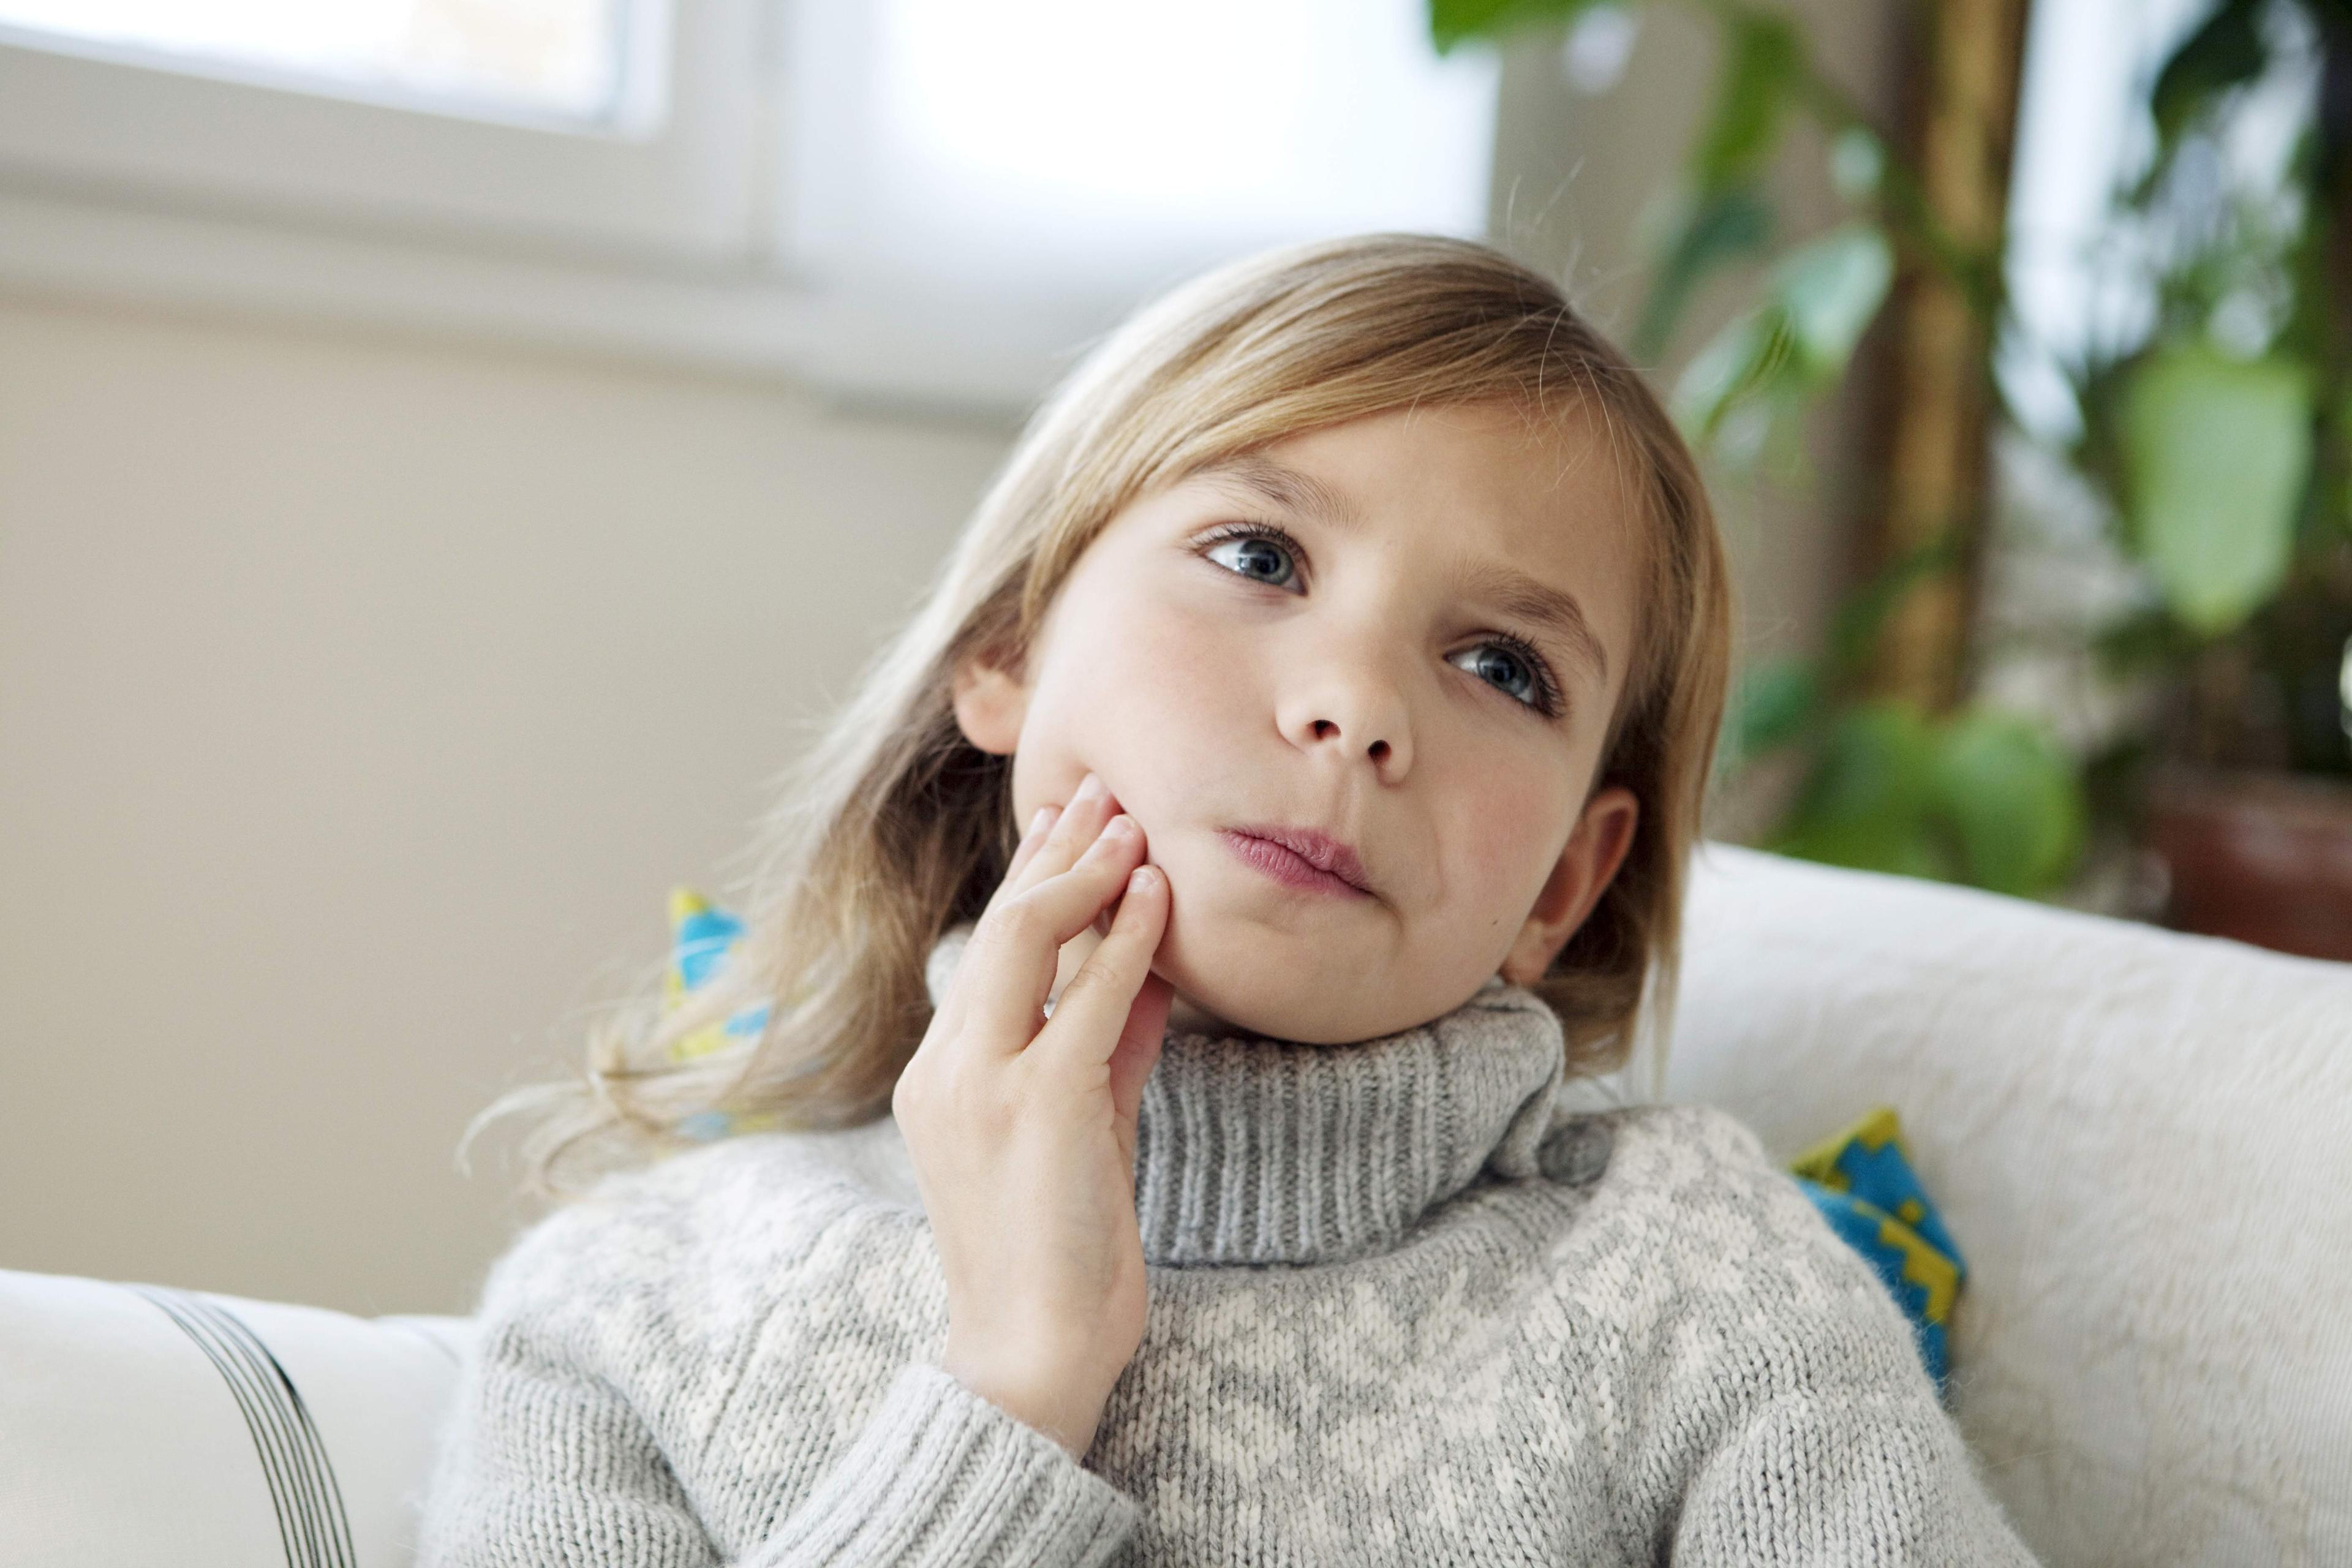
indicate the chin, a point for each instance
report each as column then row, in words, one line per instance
column 1247, row 984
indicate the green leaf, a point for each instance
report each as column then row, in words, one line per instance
column 2226, row 52
column 1861, row 616
column 1760, row 74
column 1706, row 232
column 2216, row 454
column 1453, row 22
column 1743, row 359
column 1831, row 289
column 1857, row 163
column 1775, row 701
column 1865, row 802
column 2011, row 799
column 2342, row 438
column 1799, row 339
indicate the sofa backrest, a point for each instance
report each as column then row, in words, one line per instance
column 2142, row 1143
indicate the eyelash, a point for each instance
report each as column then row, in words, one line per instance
column 1547, row 701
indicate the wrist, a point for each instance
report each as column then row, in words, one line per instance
column 1049, row 1405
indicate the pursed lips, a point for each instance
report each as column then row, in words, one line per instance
column 1300, row 859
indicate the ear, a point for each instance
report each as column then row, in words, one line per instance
column 990, row 705
column 1595, row 849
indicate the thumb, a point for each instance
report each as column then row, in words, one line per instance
column 1137, row 1051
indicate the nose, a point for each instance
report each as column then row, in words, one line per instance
column 1349, row 704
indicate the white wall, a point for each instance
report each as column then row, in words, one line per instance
column 361, row 700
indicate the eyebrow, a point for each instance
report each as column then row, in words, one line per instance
column 1510, row 589
column 1286, row 487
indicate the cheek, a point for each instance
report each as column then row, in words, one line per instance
column 1506, row 846
column 1192, row 672
column 1130, row 663
column 1140, row 692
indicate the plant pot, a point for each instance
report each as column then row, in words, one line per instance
column 2264, row 857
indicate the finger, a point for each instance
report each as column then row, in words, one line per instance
column 951, row 1006
column 1025, row 852
column 1095, row 1016
column 1017, row 948
column 1138, row 1052
column 1081, row 822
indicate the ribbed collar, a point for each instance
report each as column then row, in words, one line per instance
column 1253, row 1149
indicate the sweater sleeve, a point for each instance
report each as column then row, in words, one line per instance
column 941, row 1475
column 544, row 1459
column 1859, row 1475
column 541, row 1462
column 1789, row 1419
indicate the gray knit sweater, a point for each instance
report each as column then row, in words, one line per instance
column 1405, row 1308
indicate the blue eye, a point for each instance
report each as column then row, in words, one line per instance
column 1256, row 548
column 1266, row 553
column 1501, row 659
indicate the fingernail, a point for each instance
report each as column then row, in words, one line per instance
column 1092, row 788
column 1039, row 823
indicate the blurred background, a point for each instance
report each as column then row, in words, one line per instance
column 451, row 451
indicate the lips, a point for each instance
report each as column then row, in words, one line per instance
column 1300, row 858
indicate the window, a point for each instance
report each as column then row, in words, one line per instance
column 1034, row 146
column 156, row 127
column 2077, row 274
column 559, row 59
column 917, row 200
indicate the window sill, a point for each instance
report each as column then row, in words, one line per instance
column 888, row 355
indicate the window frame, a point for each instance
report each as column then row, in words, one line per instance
column 141, row 125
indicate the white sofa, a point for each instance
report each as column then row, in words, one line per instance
column 2141, row 1141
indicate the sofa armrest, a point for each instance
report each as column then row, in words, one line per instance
column 144, row 1423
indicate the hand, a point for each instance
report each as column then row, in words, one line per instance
column 1021, row 1127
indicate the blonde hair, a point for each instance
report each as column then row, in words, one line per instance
column 893, row 827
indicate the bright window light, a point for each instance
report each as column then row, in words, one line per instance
column 1060, row 150
column 2077, row 277
column 558, row 57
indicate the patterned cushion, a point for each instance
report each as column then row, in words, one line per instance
column 702, row 937
column 1861, row 1182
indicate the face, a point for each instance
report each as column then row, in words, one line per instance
column 1404, row 634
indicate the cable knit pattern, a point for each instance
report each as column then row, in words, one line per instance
column 1406, row 1307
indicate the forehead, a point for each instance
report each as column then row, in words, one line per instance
column 1540, row 518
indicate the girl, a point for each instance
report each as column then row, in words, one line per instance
column 1156, row 1147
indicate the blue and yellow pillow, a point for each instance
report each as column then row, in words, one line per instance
column 702, row 935
column 1861, row 1180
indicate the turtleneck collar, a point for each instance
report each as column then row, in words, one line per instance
column 1251, row 1149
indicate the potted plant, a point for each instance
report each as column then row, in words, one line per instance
column 2219, row 436
column 2214, row 444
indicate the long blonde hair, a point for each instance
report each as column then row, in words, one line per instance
column 893, row 827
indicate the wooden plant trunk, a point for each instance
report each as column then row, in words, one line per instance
column 1964, row 115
